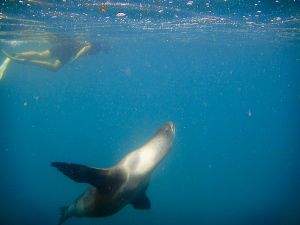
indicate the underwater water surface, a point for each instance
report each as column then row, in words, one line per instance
column 225, row 72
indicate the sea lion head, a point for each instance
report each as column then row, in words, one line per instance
column 167, row 131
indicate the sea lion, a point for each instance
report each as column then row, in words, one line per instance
column 115, row 187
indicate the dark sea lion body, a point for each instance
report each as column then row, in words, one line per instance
column 123, row 184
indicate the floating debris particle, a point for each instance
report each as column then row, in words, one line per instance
column 25, row 104
column 189, row 3
column 250, row 23
column 120, row 14
column 103, row 9
column 249, row 113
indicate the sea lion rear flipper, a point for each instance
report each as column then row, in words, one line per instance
column 141, row 202
column 99, row 178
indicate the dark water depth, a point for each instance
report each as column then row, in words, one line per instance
column 231, row 88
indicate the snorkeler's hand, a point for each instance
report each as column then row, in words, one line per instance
column 72, row 60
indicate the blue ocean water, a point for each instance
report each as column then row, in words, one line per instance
column 225, row 72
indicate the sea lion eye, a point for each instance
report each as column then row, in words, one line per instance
column 167, row 130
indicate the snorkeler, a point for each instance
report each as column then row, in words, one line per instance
column 65, row 51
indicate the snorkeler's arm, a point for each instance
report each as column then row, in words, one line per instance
column 81, row 52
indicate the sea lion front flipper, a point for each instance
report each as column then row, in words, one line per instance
column 100, row 178
column 141, row 202
column 63, row 215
